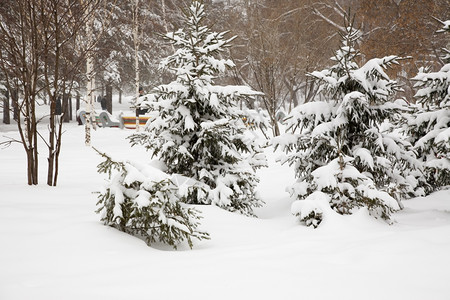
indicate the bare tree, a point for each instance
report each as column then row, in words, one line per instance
column 37, row 59
column 275, row 50
column 20, row 55
column 406, row 28
column 62, row 66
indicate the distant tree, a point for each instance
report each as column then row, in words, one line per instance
column 115, row 59
column 278, row 43
column 403, row 27
column 198, row 130
column 345, row 155
column 4, row 102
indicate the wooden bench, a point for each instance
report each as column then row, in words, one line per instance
column 130, row 121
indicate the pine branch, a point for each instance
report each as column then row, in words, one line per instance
column 109, row 164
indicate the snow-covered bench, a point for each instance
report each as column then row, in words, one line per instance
column 106, row 120
column 82, row 117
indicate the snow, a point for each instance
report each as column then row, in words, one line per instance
column 440, row 132
column 443, row 136
column 365, row 156
column 317, row 202
column 53, row 245
column 326, row 176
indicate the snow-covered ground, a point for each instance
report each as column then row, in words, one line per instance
column 53, row 246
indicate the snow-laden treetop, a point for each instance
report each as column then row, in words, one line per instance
column 346, row 76
column 197, row 47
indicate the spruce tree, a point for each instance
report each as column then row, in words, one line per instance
column 145, row 202
column 429, row 126
column 345, row 155
column 197, row 129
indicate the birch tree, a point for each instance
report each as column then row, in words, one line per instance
column 90, row 85
column 136, row 42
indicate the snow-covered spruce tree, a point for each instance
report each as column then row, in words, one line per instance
column 429, row 126
column 143, row 201
column 344, row 153
column 198, row 130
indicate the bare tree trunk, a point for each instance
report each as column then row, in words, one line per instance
column 54, row 144
column 31, row 139
column 310, row 90
column 270, row 106
column 15, row 104
column 57, row 151
column 6, row 116
column 51, row 141
column 31, row 167
column 77, row 103
column 65, row 109
column 70, row 108
column 293, row 100
column 28, row 130
column 109, row 98
column 56, row 107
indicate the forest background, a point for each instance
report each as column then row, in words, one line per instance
column 49, row 52
column 279, row 42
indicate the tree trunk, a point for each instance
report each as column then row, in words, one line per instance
column 29, row 137
column 293, row 100
column 51, row 140
column 51, row 165
column 6, row 116
column 65, row 109
column 109, row 98
column 58, row 106
column 276, row 128
column 120, row 96
column 15, row 104
column 31, row 167
column 271, row 111
column 310, row 91
column 70, row 108
column 57, row 151
column 77, row 103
